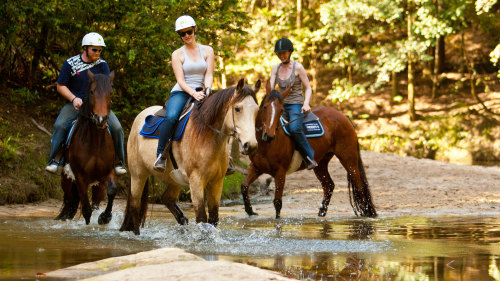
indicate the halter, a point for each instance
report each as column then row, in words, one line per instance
column 233, row 135
column 94, row 117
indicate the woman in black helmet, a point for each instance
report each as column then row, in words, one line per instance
column 292, row 74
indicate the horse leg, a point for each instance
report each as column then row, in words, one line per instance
column 357, row 177
column 170, row 197
column 197, row 186
column 97, row 194
column 137, row 203
column 327, row 183
column 71, row 199
column 106, row 216
column 252, row 175
column 279, row 181
column 214, row 192
column 82, row 186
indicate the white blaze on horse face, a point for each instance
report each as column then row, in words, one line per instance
column 244, row 123
column 273, row 112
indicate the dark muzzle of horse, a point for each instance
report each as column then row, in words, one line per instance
column 100, row 121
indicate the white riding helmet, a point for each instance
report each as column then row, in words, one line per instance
column 183, row 22
column 93, row 39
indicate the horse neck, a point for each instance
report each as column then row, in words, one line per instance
column 89, row 133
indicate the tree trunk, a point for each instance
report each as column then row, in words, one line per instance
column 299, row 14
column 411, row 90
column 223, row 81
column 314, row 66
column 395, row 89
column 435, row 72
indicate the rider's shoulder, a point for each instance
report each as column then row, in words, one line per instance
column 207, row 48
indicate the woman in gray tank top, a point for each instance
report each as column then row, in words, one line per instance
column 292, row 74
column 193, row 66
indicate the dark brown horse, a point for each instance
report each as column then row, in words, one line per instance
column 275, row 155
column 90, row 156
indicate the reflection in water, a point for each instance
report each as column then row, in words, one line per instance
column 414, row 248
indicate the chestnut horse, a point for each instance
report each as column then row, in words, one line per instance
column 91, row 154
column 202, row 155
column 275, row 155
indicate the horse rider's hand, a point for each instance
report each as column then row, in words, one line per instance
column 77, row 103
column 306, row 108
column 199, row 95
column 208, row 91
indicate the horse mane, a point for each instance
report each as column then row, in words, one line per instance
column 216, row 104
column 102, row 87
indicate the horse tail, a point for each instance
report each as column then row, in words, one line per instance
column 361, row 199
column 144, row 202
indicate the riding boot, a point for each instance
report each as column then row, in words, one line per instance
column 160, row 164
column 312, row 164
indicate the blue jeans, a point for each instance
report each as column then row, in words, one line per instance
column 174, row 105
column 295, row 129
column 62, row 126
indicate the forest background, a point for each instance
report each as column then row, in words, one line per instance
column 417, row 77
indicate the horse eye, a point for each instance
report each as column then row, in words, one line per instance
column 237, row 109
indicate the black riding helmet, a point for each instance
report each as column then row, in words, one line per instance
column 283, row 45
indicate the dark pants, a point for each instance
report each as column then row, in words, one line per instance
column 174, row 105
column 295, row 129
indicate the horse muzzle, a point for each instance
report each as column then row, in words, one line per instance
column 247, row 148
column 100, row 121
column 267, row 138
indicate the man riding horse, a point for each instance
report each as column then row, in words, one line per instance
column 73, row 84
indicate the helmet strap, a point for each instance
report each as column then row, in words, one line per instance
column 288, row 60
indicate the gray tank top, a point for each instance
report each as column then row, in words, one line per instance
column 295, row 96
column 194, row 72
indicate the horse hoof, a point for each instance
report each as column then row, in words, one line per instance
column 321, row 213
column 104, row 219
column 252, row 213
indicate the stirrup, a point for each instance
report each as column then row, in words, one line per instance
column 312, row 164
column 160, row 164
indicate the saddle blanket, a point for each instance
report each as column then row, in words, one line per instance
column 310, row 125
column 152, row 122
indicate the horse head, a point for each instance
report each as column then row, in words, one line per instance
column 242, row 115
column 100, row 90
column 271, row 108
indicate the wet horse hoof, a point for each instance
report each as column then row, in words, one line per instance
column 104, row 218
column 322, row 213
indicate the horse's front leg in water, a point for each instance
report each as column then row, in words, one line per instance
column 84, row 198
column 279, row 181
column 106, row 216
column 252, row 175
column 213, row 193
column 197, row 187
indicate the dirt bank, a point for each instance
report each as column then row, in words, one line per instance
column 400, row 186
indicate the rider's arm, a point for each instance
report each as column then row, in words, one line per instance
column 272, row 80
column 301, row 72
column 209, row 74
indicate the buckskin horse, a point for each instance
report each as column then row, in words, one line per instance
column 91, row 154
column 275, row 155
column 201, row 154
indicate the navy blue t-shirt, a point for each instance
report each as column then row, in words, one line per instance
column 74, row 74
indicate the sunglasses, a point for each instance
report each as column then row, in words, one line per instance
column 183, row 33
column 96, row 50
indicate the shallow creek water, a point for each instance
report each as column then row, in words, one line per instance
column 334, row 248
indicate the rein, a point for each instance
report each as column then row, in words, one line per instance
column 233, row 135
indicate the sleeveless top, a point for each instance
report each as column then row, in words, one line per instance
column 194, row 72
column 295, row 96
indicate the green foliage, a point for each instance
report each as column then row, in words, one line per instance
column 231, row 187
column 343, row 90
column 24, row 96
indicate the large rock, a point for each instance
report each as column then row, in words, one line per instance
column 163, row 264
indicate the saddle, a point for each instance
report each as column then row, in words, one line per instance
column 153, row 122
column 311, row 125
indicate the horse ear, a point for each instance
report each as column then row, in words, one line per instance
column 90, row 75
column 240, row 85
column 285, row 93
column 268, row 87
column 256, row 87
column 111, row 76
